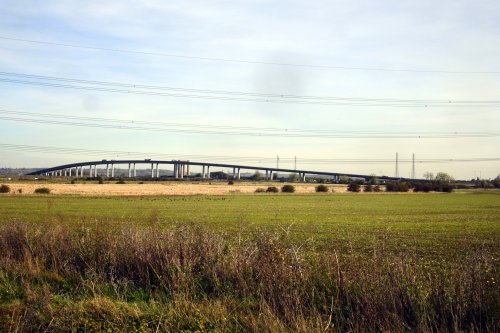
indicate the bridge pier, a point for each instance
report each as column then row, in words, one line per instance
column 208, row 171
column 112, row 171
column 135, row 173
column 203, row 172
column 129, row 171
column 188, row 169
column 238, row 175
column 157, row 171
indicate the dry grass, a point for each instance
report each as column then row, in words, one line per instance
column 98, row 278
column 168, row 188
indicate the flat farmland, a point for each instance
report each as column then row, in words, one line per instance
column 250, row 262
column 154, row 188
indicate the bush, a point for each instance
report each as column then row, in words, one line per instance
column 20, row 191
column 377, row 188
column 397, row 186
column 73, row 181
column 272, row 189
column 288, row 189
column 4, row 188
column 260, row 190
column 321, row 188
column 353, row 187
column 231, row 182
column 42, row 190
column 368, row 188
column 121, row 181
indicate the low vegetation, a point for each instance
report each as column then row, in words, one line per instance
column 4, row 188
column 353, row 187
column 42, row 190
column 272, row 189
column 98, row 277
column 272, row 263
column 288, row 189
column 322, row 188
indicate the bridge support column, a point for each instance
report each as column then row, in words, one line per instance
column 271, row 175
column 304, row 177
column 107, row 170
column 157, row 171
column 238, row 174
column 69, row 171
column 152, row 171
column 188, row 169
column 129, row 171
column 182, row 170
column 203, row 172
column 208, row 171
column 112, row 171
column 135, row 171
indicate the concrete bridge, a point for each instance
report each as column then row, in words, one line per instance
column 183, row 169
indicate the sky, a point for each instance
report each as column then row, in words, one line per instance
column 388, row 61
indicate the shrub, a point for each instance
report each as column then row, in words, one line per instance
column 73, row 181
column 368, row 188
column 4, row 188
column 42, row 190
column 321, row 188
column 121, row 181
column 397, row 186
column 272, row 189
column 377, row 188
column 260, row 190
column 288, row 189
column 353, row 187
column 231, row 182
column 20, row 191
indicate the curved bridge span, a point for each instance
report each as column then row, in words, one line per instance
column 181, row 169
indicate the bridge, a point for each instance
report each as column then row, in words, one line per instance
column 182, row 169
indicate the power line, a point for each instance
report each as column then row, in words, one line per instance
column 238, row 95
column 250, row 94
column 270, row 160
column 122, row 124
column 241, row 61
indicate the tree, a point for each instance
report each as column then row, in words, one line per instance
column 374, row 180
column 353, row 187
column 344, row 179
column 444, row 178
column 293, row 177
column 443, row 182
column 429, row 175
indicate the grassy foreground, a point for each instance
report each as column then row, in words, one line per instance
column 270, row 263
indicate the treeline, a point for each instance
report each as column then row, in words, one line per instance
column 442, row 182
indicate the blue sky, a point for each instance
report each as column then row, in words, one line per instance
column 418, row 35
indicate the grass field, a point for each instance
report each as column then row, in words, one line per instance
column 258, row 262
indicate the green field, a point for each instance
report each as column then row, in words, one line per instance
column 435, row 257
column 401, row 218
